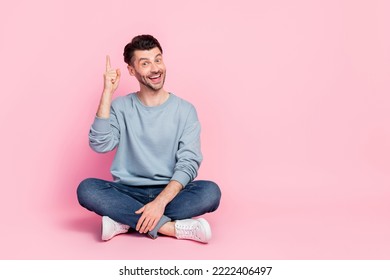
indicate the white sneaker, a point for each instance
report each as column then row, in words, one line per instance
column 110, row 228
column 194, row 229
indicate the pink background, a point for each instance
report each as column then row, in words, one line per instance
column 295, row 106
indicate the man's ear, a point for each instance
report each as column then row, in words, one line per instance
column 131, row 70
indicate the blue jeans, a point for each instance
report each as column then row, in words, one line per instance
column 119, row 201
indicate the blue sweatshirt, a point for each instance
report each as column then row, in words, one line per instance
column 154, row 144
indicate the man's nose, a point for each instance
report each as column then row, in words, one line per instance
column 154, row 67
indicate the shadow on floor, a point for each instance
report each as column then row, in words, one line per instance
column 90, row 224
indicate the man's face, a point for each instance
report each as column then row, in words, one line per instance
column 149, row 69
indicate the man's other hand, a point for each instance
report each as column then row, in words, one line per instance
column 151, row 214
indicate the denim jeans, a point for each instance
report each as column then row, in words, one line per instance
column 119, row 201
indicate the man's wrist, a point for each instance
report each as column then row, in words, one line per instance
column 162, row 201
column 104, row 105
column 108, row 91
column 169, row 193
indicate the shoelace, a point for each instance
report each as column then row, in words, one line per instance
column 121, row 227
column 188, row 231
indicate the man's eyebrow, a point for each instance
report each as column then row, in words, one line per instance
column 144, row 58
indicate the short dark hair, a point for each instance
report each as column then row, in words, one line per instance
column 140, row 42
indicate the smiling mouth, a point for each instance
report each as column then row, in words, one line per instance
column 155, row 78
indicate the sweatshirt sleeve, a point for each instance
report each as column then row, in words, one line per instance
column 189, row 155
column 104, row 133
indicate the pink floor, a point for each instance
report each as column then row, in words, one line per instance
column 313, row 227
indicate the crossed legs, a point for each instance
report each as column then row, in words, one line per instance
column 119, row 202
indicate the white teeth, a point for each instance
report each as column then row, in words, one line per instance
column 154, row 77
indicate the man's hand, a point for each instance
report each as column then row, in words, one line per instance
column 111, row 82
column 151, row 214
column 111, row 77
column 153, row 211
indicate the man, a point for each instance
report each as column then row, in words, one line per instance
column 157, row 137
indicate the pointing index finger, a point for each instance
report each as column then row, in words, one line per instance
column 108, row 63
